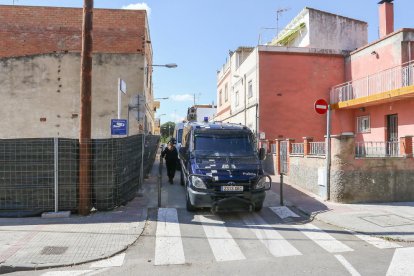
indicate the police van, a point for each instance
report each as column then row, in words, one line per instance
column 221, row 167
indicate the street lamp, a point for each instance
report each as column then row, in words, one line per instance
column 158, row 121
column 168, row 65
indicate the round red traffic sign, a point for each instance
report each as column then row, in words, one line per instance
column 321, row 106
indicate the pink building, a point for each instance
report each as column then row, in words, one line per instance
column 377, row 101
column 370, row 91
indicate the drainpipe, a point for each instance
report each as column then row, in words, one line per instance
column 257, row 92
column 245, row 100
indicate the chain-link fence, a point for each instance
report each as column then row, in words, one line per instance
column 30, row 169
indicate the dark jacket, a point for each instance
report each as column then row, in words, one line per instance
column 170, row 155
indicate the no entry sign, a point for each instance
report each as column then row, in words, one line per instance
column 321, row 106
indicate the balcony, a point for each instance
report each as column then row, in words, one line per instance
column 389, row 85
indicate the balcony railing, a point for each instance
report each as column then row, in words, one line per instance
column 377, row 149
column 390, row 79
column 297, row 148
column 317, row 148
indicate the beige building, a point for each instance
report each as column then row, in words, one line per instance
column 40, row 71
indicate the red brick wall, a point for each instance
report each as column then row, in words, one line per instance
column 26, row 30
column 290, row 83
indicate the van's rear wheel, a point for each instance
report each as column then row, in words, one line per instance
column 258, row 207
column 190, row 207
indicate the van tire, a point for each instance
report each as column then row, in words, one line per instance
column 190, row 207
column 258, row 207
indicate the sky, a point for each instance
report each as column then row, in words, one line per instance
column 198, row 34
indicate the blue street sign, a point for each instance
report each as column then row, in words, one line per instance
column 119, row 126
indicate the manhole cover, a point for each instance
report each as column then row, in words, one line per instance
column 388, row 220
column 54, row 250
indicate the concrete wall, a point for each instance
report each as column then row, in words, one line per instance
column 362, row 63
column 353, row 180
column 331, row 31
column 40, row 94
column 307, row 172
column 368, row 179
column 326, row 31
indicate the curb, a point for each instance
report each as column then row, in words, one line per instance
column 9, row 268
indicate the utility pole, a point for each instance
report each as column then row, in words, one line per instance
column 85, row 111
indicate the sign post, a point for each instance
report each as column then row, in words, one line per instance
column 121, row 89
column 322, row 107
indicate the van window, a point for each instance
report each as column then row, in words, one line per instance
column 223, row 145
column 179, row 135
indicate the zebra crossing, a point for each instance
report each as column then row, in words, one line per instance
column 226, row 246
column 175, row 239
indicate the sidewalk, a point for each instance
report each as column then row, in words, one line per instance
column 387, row 220
column 35, row 243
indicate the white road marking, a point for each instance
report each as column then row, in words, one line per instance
column 99, row 271
column 168, row 243
column 402, row 262
column 375, row 241
column 321, row 106
column 347, row 265
column 221, row 242
column 67, row 272
column 114, row 261
column 323, row 239
column 284, row 212
column 274, row 242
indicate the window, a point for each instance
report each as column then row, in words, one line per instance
column 237, row 98
column 250, row 89
column 219, row 144
column 363, row 124
column 220, row 97
column 226, row 93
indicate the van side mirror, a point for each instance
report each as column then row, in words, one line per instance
column 262, row 153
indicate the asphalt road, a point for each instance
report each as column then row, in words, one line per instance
column 275, row 241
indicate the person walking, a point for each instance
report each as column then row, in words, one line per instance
column 170, row 154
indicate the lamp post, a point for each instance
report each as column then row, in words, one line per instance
column 168, row 65
column 159, row 122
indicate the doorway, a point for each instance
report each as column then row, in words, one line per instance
column 392, row 135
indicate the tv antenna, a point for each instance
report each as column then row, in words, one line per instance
column 198, row 98
column 279, row 13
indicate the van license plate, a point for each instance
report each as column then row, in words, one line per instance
column 232, row 188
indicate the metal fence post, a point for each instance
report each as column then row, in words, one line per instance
column 281, row 189
column 56, row 168
column 159, row 182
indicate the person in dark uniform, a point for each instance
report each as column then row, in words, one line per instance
column 170, row 154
